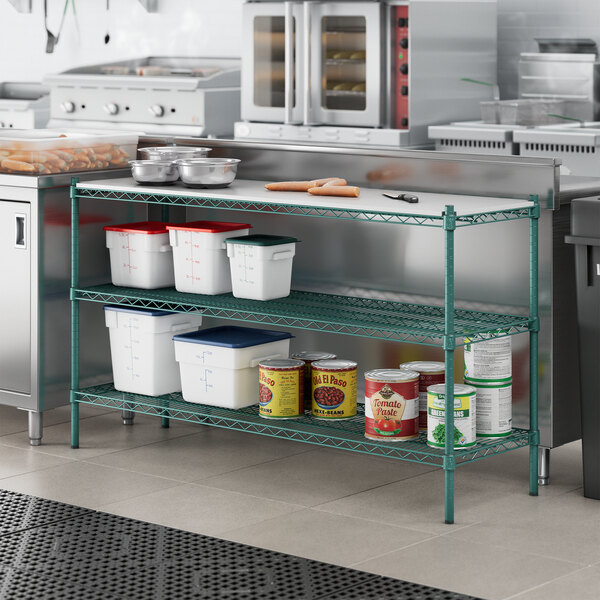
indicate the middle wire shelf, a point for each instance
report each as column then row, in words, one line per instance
column 363, row 317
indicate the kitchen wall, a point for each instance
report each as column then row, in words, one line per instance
column 212, row 28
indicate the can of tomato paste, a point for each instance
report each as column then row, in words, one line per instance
column 281, row 389
column 334, row 389
column 391, row 405
column 464, row 416
column 309, row 357
column 430, row 373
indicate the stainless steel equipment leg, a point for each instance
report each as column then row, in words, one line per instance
column 127, row 416
column 36, row 426
column 544, row 466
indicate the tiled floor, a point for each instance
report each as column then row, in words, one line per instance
column 378, row 515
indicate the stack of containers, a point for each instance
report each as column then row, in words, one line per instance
column 141, row 348
column 219, row 366
column 488, row 368
column 140, row 255
column 200, row 255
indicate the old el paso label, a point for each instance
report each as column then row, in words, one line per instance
column 266, row 379
column 328, row 378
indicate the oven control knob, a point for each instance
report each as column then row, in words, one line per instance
column 404, row 43
column 68, row 106
column 404, row 90
column 404, row 69
column 157, row 110
column 111, row 108
column 2, row 125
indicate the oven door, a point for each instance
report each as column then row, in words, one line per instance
column 346, row 60
column 271, row 62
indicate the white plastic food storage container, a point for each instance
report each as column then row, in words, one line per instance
column 261, row 266
column 141, row 348
column 140, row 255
column 200, row 255
column 219, row 366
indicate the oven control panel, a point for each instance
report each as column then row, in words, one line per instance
column 401, row 54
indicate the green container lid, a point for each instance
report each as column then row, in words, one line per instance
column 262, row 240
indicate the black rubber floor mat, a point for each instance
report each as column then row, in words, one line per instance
column 90, row 555
column 19, row 512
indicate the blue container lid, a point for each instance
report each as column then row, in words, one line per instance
column 140, row 311
column 229, row 336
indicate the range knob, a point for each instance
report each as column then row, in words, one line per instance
column 157, row 110
column 404, row 90
column 404, row 69
column 404, row 43
column 2, row 125
column 111, row 108
column 68, row 106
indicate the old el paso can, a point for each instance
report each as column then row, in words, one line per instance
column 281, row 389
column 309, row 357
column 334, row 389
column 391, row 405
column 430, row 373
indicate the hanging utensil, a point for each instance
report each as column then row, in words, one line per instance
column 51, row 39
column 107, row 36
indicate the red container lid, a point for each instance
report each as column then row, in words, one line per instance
column 147, row 227
column 209, row 226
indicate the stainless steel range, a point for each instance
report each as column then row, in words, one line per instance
column 24, row 105
column 155, row 95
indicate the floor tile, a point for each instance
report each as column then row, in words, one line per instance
column 101, row 435
column 194, row 457
column 581, row 585
column 199, row 509
column 316, row 476
column 15, row 461
column 13, row 420
column 468, row 568
column 85, row 484
column 327, row 537
column 418, row 503
column 567, row 527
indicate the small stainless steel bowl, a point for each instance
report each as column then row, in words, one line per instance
column 208, row 172
column 173, row 152
column 154, row 172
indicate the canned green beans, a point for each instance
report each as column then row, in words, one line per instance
column 464, row 416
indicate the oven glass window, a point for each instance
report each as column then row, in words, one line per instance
column 344, row 53
column 269, row 61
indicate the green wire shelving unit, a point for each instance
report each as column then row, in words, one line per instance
column 444, row 327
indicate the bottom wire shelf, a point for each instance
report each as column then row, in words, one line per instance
column 346, row 434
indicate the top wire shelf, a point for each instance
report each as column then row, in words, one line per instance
column 251, row 196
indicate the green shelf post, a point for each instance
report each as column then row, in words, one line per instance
column 74, row 314
column 164, row 217
column 449, row 348
column 533, row 346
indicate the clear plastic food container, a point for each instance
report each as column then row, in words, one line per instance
column 46, row 151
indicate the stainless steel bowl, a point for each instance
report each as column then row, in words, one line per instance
column 154, row 172
column 208, row 172
column 173, row 152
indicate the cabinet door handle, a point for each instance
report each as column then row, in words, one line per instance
column 20, row 231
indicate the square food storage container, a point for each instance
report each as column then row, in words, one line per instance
column 200, row 255
column 219, row 366
column 261, row 266
column 46, row 151
column 140, row 255
column 141, row 348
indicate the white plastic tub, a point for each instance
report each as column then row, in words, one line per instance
column 219, row 366
column 200, row 255
column 140, row 255
column 141, row 348
column 261, row 266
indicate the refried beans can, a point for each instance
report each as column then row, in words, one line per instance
column 392, row 405
column 309, row 357
column 334, row 389
column 430, row 373
column 464, row 416
column 281, row 389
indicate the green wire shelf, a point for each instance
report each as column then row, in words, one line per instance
column 364, row 317
column 259, row 206
column 346, row 434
